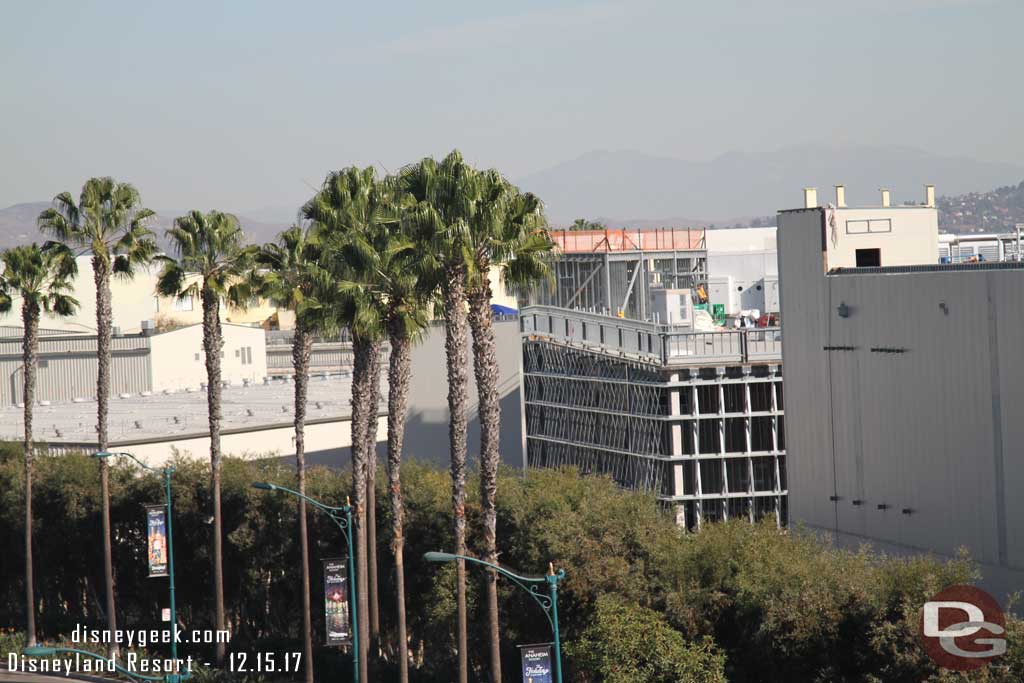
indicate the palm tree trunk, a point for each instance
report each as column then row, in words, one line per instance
column 457, row 352
column 373, row 403
column 101, row 277
column 485, row 366
column 302, row 346
column 30, row 345
column 399, row 366
column 212, row 345
column 362, row 352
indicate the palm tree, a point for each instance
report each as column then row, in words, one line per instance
column 507, row 231
column 354, row 202
column 387, row 263
column 41, row 277
column 446, row 194
column 110, row 223
column 214, row 264
column 288, row 279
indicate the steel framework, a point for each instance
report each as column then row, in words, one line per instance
column 613, row 271
column 707, row 438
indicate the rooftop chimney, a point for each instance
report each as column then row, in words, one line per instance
column 810, row 197
column 840, row 196
column 885, row 197
column 929, row 195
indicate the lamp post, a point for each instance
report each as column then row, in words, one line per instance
column 342, row 516
column 530, row 584
column 167, row 470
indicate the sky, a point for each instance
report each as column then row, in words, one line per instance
column 245, row 106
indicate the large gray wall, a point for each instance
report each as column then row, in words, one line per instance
column 426, row 432
column 426, row 436
column 934, row 428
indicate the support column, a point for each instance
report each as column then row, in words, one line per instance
column 695, row 425
column 719, row 376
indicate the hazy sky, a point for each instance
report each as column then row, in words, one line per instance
column 245, row 105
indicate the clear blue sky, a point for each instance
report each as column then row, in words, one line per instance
column 244, row 105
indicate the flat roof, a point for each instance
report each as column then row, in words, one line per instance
column 931, row 268
column 180, row 414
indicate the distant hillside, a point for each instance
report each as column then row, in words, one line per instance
column 18, row 225
column 633, row 185
column 996, row 211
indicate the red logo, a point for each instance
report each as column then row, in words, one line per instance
column 963, row 628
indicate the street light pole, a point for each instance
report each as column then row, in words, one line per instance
column 167, row 470
column 530, row 584
column 342, row 517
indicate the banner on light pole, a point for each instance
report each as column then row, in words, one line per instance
column 536, row 663
column 339, row 629
column 156, row 525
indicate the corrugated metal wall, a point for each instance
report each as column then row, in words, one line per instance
column 67, row 368
column 326, row 357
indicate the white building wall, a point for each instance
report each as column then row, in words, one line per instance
column 743, row 268
column 178, row 359
column 326, row 436
column 134, row 300
column 914, row 239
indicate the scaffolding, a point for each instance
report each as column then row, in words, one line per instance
column 704, row 431
column 613, row 271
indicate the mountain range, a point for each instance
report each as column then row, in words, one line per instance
column 628, row 188
column 18, row 225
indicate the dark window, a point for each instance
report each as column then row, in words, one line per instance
column 869, row 258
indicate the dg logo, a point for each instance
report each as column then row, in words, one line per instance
column 962, row 628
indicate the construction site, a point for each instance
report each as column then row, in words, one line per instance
column 625, row 374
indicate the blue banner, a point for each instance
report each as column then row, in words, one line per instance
column 156, row 525
column 536, row 663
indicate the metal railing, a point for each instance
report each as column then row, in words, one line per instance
column 664, row 344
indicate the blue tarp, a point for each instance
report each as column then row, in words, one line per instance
column 497, row 309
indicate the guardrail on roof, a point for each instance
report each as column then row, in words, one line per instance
column 660, row 239
column 663, row 344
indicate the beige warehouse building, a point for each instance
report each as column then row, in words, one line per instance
column 142, row 363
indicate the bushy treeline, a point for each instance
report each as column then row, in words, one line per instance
column 642, row 602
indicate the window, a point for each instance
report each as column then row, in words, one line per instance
column 183, row 304
column 869, row 258
column 875, row 225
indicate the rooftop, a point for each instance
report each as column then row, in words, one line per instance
column 666, row 345
column 180, row 414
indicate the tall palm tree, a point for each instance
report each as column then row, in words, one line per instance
column 214, row 264
column 351, row 202
column 108, row 222
column 387, row 263
column 288, row 278
column 41, row 278
column 508, row 232
column 446, row 194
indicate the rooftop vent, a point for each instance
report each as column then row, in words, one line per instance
column 840, row 196
column 148, row 327
column 810, row 197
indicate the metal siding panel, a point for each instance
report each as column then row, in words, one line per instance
column 804, row 312
column 1010, row 315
